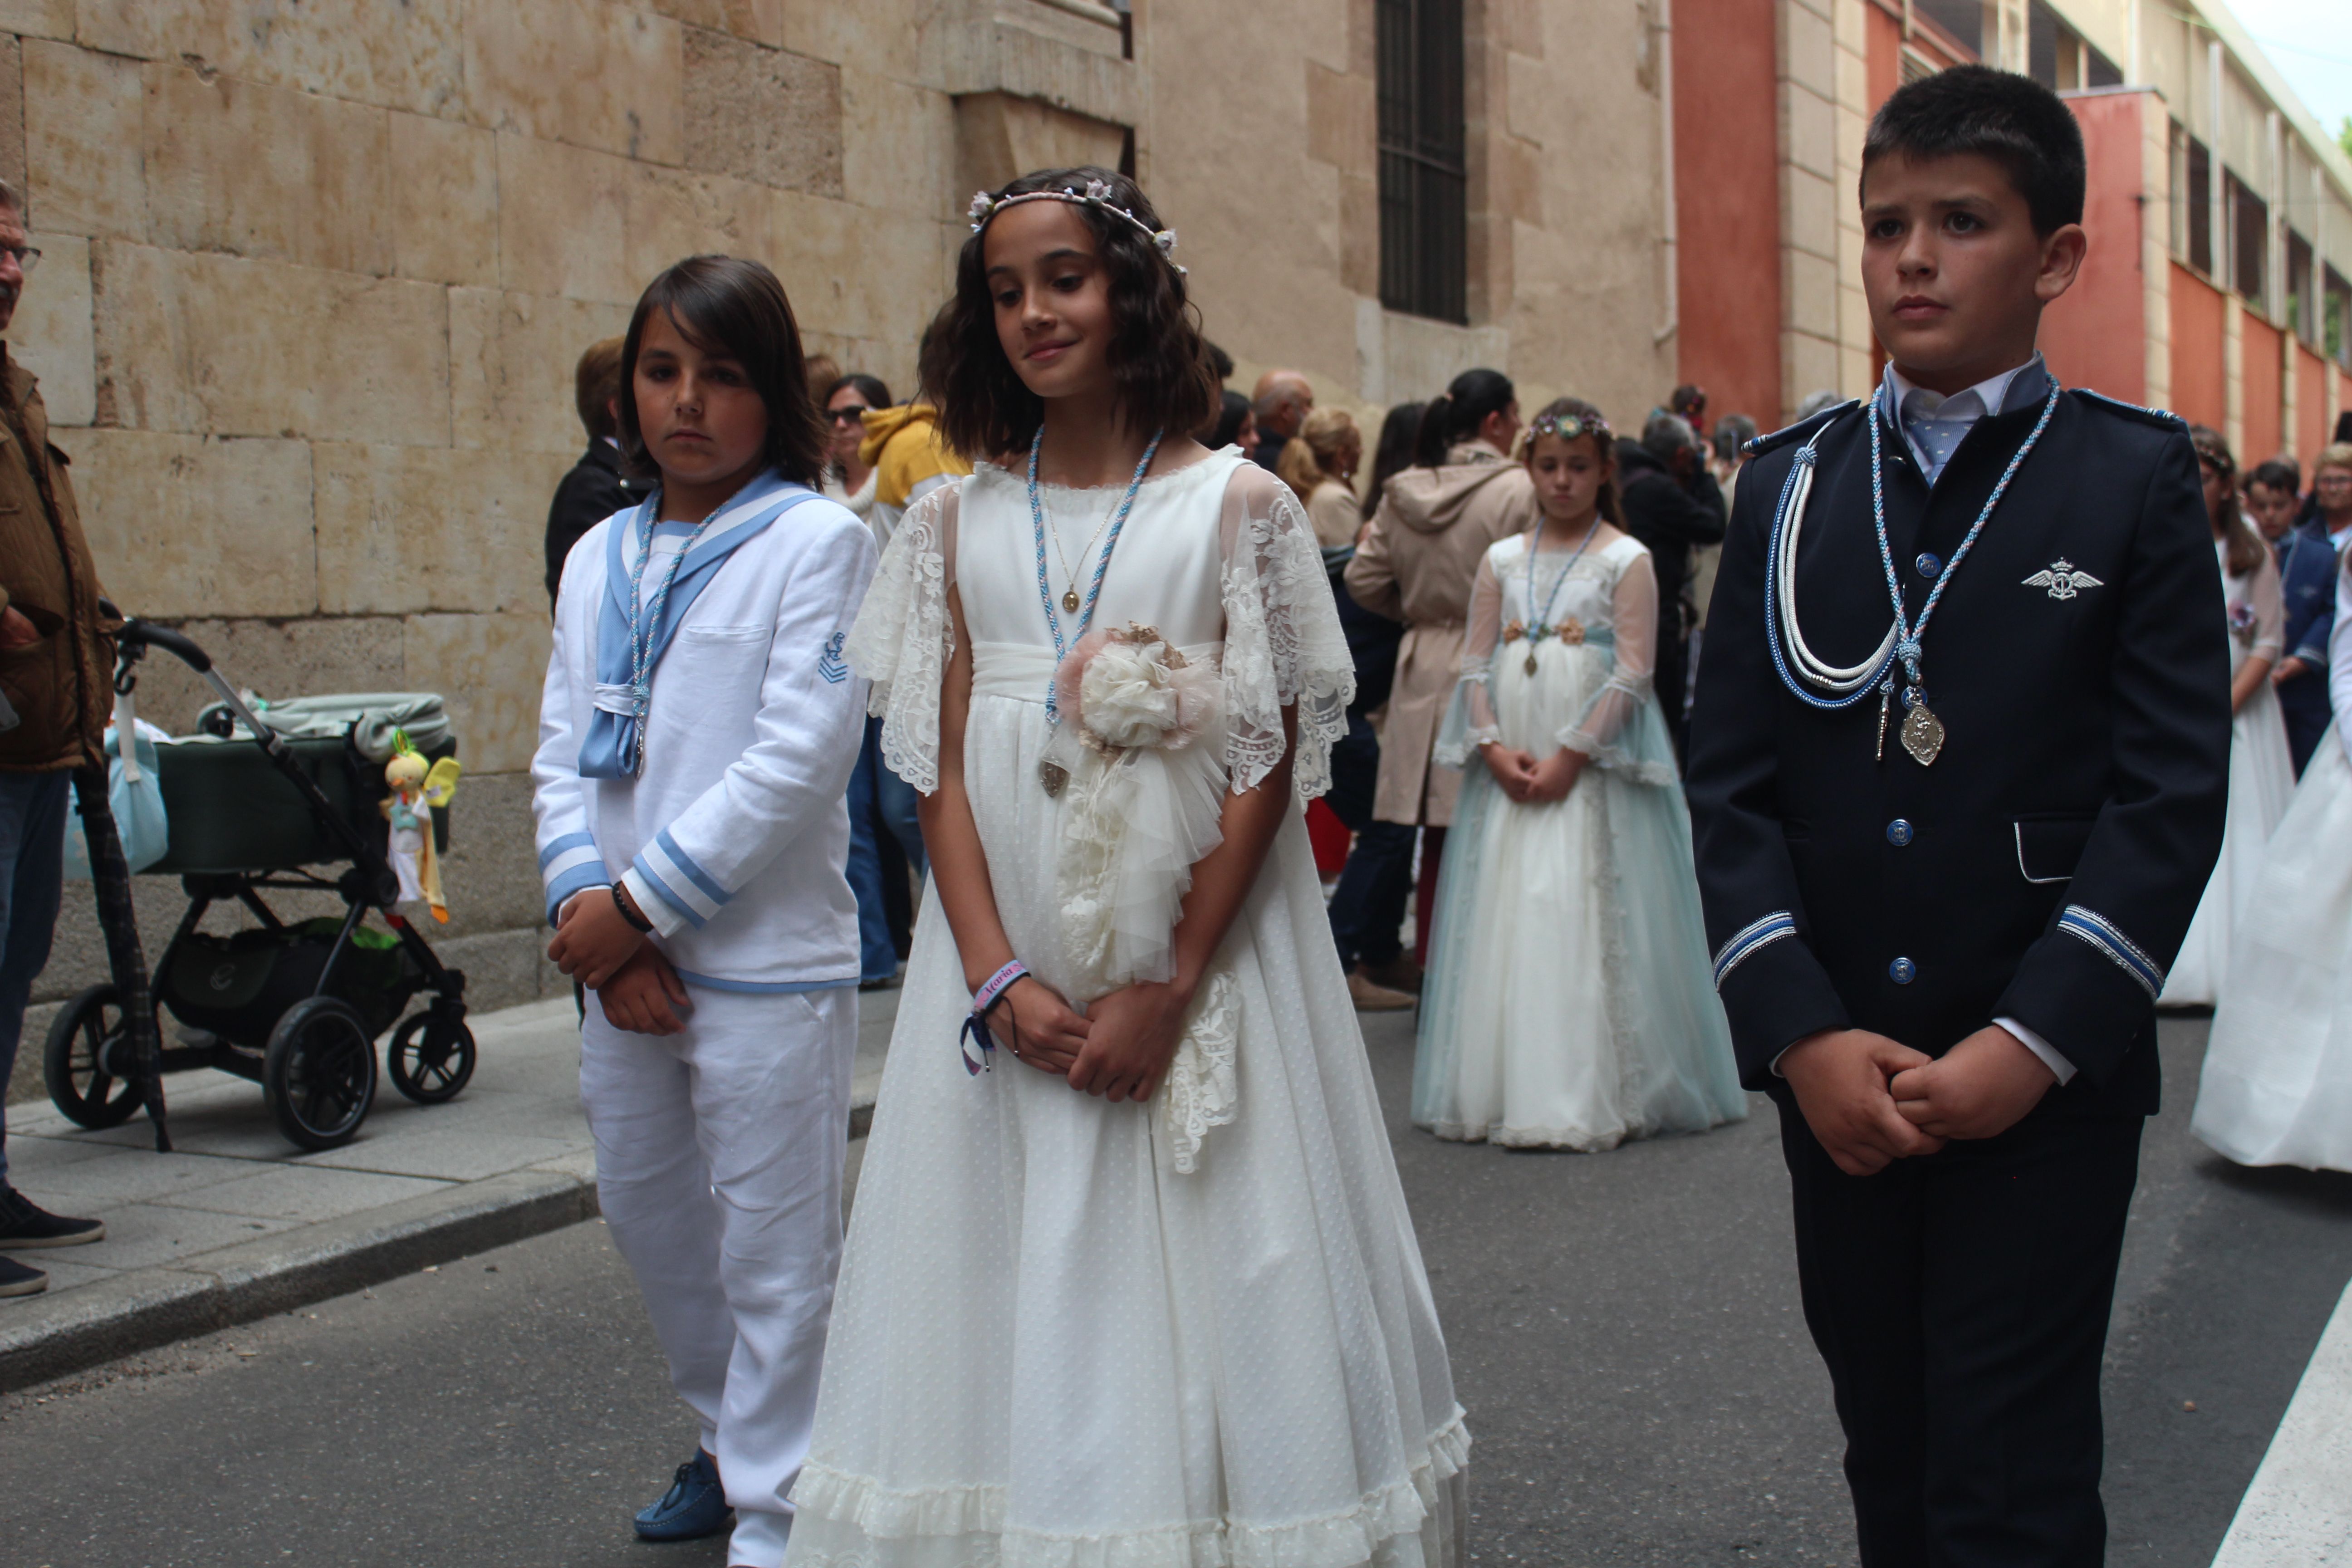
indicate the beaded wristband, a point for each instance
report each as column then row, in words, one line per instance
column 975, row 1027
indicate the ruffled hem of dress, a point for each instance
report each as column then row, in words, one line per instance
column 1341, row 1539
column 1529, row 1137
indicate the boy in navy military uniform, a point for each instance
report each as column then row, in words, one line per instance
column 1958, row 767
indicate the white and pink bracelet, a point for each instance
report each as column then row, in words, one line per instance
column 975, row 1026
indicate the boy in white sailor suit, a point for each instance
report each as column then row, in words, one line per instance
column 1958, row 770
column 696, row 740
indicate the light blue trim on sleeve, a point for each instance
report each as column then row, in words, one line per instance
column 568, row 841
column 669, row 895
column 592, row 875
column 694, row 873
column 764, row 987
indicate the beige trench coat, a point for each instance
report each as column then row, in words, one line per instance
column 1433, row 528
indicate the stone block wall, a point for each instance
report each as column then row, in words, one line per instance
column 313, row 281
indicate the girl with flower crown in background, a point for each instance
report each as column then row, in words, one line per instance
column 1568, row 1002
column 1131, row 1279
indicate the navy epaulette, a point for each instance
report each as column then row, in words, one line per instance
column 1799, row 430
column 2162, row 418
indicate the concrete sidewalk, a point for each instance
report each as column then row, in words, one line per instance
column 236, row 1224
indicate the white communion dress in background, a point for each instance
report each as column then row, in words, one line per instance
column 1569, row 1001
column 2262, row 778
column 1074, row 1335
column 2276, row 1088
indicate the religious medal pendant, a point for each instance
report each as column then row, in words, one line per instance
column 1053, row 776
column 1070, row 600
column 1535, row 636
column 1923, row 732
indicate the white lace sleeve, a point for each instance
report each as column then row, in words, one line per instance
column 903, row 639
column 1283, row 641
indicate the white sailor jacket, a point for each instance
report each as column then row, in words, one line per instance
column 734, row 837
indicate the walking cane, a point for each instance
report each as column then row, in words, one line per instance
column 111, row 874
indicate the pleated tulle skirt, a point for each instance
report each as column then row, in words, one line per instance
column 2276, row 1088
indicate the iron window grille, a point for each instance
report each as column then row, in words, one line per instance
column 1423, row 151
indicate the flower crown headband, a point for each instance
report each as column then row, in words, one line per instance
column 1097, row 195
column 1569, row 426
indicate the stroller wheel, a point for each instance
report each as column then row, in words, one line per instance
column 88, row 1081
column 430, row 1061
column 320, row 1072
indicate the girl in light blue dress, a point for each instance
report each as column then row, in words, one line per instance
column 1569, row 1004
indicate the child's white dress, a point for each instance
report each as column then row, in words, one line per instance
column 2276, row 1088
column 1569, row 1001
column 1074, row 1335
column 2262, row 778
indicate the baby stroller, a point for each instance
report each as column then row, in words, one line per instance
column 265, row 801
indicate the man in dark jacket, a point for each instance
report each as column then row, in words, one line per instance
column 596, row 488
column 2306, row 564
column 1671, row 503
column 56, row 688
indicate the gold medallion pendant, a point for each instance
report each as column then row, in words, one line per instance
column 1923, row 734
column 1070, row 601
column 1531, row 663
column 1053, row 776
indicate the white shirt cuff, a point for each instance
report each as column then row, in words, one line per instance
column 666, row 918
column 2039, row 1048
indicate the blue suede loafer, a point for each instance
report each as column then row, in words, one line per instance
column 694, row 1507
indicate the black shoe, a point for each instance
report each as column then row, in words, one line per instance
column 15, row 1280
column 23, row 1226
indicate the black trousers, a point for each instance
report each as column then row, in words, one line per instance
column 1368, row 905
column 1961, row 1303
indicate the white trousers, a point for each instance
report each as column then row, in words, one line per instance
column 719, row 1158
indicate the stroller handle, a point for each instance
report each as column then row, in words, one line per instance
column 137, row 634
column 137, row 631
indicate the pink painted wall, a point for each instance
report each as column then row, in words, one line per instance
column 1727, row 205
column 2265, row 436
column 2198, row 350
column 2096, row 334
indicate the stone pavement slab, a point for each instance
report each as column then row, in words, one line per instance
column 234, row 1222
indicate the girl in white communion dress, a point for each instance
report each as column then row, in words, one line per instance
column 1130, row 1281
column 1569, row 1003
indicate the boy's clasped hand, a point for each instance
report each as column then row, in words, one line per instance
column 1872, row 1101
column 596, row 944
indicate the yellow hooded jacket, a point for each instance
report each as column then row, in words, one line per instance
column 909, row 460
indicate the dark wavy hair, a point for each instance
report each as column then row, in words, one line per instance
column 723, row 304
column 1160, row 375
column 1585, row 414
column 1455, row 415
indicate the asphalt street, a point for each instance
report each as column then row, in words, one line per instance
column 1625, row 1331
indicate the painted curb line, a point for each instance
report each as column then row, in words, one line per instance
column 47, row 1337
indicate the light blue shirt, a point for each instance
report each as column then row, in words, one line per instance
column 1933, row 425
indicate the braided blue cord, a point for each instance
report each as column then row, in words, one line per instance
column 1102, row 561
column 1542, row 627
column 1908, row 636
column 645, row 626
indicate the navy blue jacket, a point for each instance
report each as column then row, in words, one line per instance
column 2046, row 866
column 2306, row 563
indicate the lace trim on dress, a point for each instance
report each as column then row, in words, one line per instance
column 1201, row 1090
column 1345, row 1539
column 1283, row 646
column 903, row 638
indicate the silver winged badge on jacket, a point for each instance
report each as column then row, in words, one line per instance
column 2063, row 579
